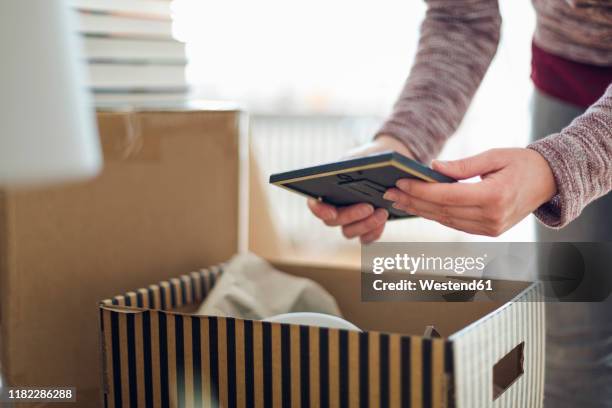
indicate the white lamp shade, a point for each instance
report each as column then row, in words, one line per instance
column 47, row 129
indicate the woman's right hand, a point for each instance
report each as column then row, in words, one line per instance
column 360, row 220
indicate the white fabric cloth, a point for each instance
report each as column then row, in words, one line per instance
column 250, row 288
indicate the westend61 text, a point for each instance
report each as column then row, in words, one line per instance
column 432, row 285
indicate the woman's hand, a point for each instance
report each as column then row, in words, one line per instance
column 360, row 220
column 514, row 183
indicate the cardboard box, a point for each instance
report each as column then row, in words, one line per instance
column 170, row 182
column 157, row 353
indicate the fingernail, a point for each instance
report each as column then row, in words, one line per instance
column 403, row 184
column 367, row 210
column 329, row 215
column 383, row 214
column 390, row 195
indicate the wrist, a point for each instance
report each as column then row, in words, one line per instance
column 392, row 143
column 548, row 185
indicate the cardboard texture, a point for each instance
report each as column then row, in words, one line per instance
column 157, row 353
column 265, row 239
column 166, row 201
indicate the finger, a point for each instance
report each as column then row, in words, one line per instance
column 477, row 165
column 378, row 218
column 372, row 235
column 433, row 216
column 351, row 214
column 415, row 205
column 469, row 226
column 324, row 211
column 459, row 194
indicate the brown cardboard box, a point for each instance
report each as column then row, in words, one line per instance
column 156, row 353
column 170, row 183
column 264, row 237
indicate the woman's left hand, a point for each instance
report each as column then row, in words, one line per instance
column 514, row 182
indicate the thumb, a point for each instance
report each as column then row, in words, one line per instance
column 473, row 166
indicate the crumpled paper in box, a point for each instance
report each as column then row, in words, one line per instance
column 250, row 288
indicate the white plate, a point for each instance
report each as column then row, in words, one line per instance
column 313, row 319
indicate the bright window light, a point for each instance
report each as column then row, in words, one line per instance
column 345, row 59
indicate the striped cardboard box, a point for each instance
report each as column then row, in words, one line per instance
column 156, row 355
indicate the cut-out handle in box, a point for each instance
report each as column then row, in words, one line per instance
column 507, row 370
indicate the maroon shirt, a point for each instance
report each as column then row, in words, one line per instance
column 573, row 82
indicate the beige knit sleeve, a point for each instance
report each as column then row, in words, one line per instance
column 580, row 157
column 457, row 43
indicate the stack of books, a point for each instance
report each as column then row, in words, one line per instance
column 132, row 57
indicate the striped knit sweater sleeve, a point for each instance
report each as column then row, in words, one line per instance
column 580, row 157
column 458, row 41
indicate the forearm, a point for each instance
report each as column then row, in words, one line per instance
column 580, row 157
column 458, row 41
